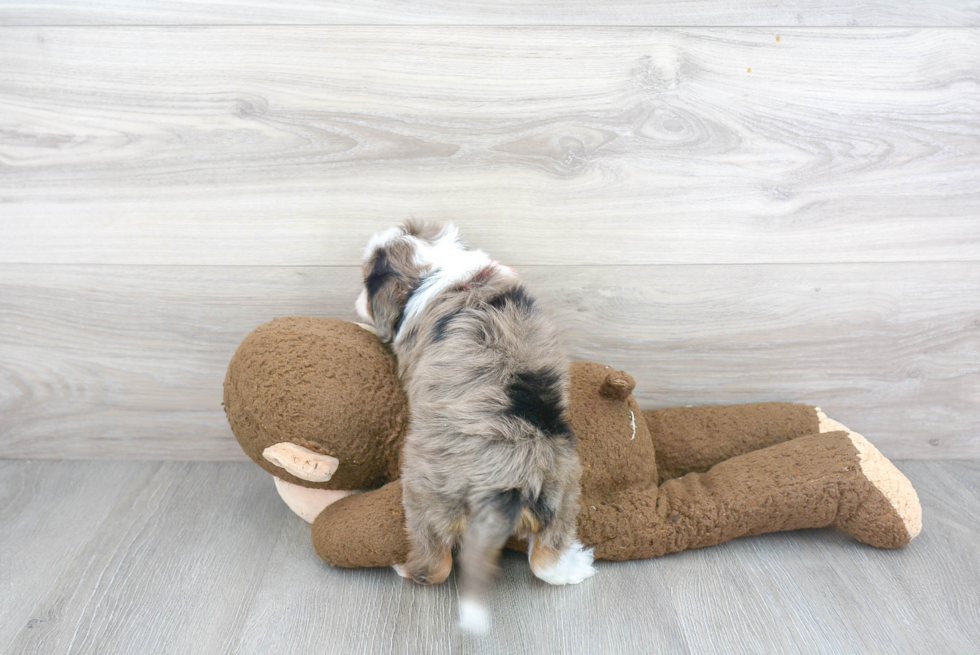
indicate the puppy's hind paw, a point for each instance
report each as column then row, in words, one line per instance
column 573, row 566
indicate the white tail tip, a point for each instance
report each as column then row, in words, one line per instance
column 473, row 617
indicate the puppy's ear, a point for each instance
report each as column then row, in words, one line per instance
column 388, row 291
column 387, row 307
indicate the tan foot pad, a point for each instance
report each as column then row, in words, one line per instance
column 880, row 472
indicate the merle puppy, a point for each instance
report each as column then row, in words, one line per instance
column 489, row 453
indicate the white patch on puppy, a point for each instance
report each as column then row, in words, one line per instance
column 361, row 307
column 382, row 238
column 574, row 566
column 448, row 262
column 473, row 617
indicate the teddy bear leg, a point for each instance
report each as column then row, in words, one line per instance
column 693, row 439
column 809, row 482
column 365, row 529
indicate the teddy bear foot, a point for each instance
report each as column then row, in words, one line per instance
column 890, row 515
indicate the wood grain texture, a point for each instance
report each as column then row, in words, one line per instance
column 210, row 548
column 49, row 513
column 374, row 611
column 869, row 13
column 285, row 146
column 818, row 591
column 129, row 361
column 120, row 361
column 177, row 562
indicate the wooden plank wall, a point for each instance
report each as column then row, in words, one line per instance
column 735, row 205
column 667, row 13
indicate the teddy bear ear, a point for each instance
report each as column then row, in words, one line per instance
column 301, row 462
column 618, row 385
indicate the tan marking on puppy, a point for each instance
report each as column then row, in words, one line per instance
column 542, row 558
column 433, row 570
column 458, row 526
column 441, row 572
column 528, row 523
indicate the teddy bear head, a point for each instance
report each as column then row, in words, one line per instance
column 317, row 402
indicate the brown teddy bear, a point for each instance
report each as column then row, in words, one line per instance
column 317, row 403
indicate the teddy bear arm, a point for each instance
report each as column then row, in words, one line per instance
column 693, row 439
column 808, row 482
column 363, row 530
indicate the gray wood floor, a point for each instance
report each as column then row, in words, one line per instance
column 150, row 557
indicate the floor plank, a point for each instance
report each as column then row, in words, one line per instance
column 925, row 580
column 412, row 619
column 210, row 548
column 284, row 146
column 108, row 361
column 50, row 512
column 869, row 13
column 176, row 564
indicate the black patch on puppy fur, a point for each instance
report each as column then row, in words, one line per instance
column 516, row 296
column 508, row 503
column 441, row 325
column 535, row 396
column 540, row 510
column 379, row 273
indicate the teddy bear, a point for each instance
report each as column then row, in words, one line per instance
column 317, row 403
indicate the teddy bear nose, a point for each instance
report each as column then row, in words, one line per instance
column 618, row 385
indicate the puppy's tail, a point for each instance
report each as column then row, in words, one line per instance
column 490, row 523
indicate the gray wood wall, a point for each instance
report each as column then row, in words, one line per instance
column 758, row 201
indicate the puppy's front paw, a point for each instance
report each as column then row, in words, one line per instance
column 572, row 566
column 400, row 570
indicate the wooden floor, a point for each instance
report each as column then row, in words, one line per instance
column 179, row 557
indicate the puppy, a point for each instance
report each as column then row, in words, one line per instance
column 489, row 453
